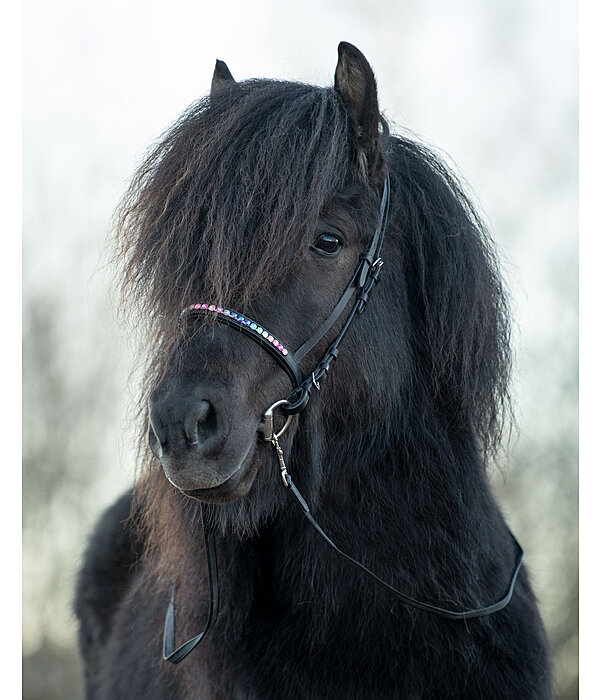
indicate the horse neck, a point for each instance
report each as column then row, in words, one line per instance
column 432, row 530
column 408, row 473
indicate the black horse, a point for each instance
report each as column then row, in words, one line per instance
column 271, row 198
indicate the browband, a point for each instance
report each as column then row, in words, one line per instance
column 255, row 331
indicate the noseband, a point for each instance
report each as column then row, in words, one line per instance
column 365, row 276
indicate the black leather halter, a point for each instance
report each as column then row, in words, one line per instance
column 364, row 277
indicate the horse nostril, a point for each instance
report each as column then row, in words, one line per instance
column 154, row 441
column 182, row 427
column 199, row 422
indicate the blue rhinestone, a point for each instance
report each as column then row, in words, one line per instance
column 233, row 315
column 253, row 326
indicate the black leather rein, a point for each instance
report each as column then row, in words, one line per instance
column 365, row 276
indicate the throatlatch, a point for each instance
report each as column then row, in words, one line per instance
column 364, row 277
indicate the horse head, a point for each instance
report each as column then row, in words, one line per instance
column 291, row 180
column 260, row 201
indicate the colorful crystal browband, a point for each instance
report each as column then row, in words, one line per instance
column 258, row 331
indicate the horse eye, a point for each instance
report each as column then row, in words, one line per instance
column 328, row 243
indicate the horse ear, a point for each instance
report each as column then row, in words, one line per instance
column 355, row 83
column 221, row 77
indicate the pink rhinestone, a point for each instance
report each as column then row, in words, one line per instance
column 275, row 343
column 270, row 339
column 219, row 310
column 211, row 307
column 204, row 306
column 196, row 307
column 284, row 351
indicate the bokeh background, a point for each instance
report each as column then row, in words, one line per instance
column 493, row 85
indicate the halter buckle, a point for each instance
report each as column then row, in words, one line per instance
column 315, row 383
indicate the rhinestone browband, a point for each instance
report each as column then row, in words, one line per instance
column 256, row 328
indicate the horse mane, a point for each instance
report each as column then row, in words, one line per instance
column 459, row 309
column 269, row 157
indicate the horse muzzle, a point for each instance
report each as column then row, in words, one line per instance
column 203, row 443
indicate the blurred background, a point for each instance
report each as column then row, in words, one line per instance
column 493, row 85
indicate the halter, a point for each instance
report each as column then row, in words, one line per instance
column 365, row 276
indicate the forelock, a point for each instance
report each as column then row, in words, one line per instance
column 219, row 207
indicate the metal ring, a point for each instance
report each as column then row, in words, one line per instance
column 269, row 425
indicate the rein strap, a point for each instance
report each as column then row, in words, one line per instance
column 402, row 597
column 175, row 655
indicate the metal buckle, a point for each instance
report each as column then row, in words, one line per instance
column 315, row 383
